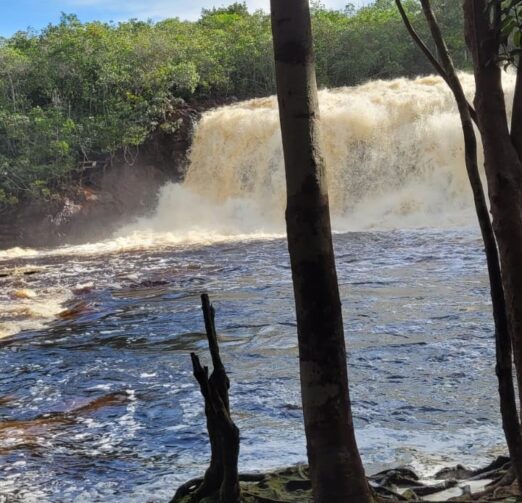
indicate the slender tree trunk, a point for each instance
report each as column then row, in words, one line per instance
column 508, row 406
column 335, row 466
column 502, row 163
column 504, row 367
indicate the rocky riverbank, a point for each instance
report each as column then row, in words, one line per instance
column 492, row 483
column 84, row 213
column 108, row 192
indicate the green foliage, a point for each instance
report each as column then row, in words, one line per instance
column 507, row 16
column 77, row 91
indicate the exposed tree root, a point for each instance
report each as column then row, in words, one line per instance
column 292, row 485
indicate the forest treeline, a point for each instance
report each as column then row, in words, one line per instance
column 76, row 92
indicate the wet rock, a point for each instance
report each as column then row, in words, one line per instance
column 149, row 283
column 433, row 489
column 83, row 288
column 400, row 477
column 454, row 472
column 500, row 463
column 298, row 485
column 74, row 311
column 28, row 271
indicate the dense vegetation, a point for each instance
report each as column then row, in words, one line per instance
column 77, row 92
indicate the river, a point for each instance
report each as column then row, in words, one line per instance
column 98, row 401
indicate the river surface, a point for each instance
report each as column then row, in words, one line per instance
column 99, row 404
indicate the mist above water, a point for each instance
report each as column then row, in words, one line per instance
column 394, row 156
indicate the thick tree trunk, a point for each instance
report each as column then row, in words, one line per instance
column 516, row 117
column 335, row 466
column 504, row 175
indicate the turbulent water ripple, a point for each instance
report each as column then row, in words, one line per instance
column 101, row 404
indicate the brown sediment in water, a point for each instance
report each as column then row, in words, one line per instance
column 77, row 309
column 17, row 434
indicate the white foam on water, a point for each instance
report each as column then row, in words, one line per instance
column 30, row 311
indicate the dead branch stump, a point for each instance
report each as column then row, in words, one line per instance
column 221, row 478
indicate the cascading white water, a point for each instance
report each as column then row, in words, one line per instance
column 417, row 308
column 394, row 155
column 393, row 150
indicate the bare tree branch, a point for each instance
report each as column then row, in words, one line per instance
column 429, row 55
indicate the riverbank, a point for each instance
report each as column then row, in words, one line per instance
column 492, row 483
column 107, row 193
column 88, row 211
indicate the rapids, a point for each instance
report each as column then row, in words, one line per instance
column 97, row 400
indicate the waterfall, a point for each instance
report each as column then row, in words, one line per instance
column 393, row 150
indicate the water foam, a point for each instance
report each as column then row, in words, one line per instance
column 29, row 310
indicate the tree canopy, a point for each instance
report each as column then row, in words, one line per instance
column 76, row 92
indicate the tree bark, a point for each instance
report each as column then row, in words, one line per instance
column 504, row 176
column 508, row 406
column 214, row 474
column 429, row 55
column 221, row 478
column 335, row 465
column 516, row 117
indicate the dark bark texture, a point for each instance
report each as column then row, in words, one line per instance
column 445, row 67
column 221, row 478
column 504, row 175
column 335, row 466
